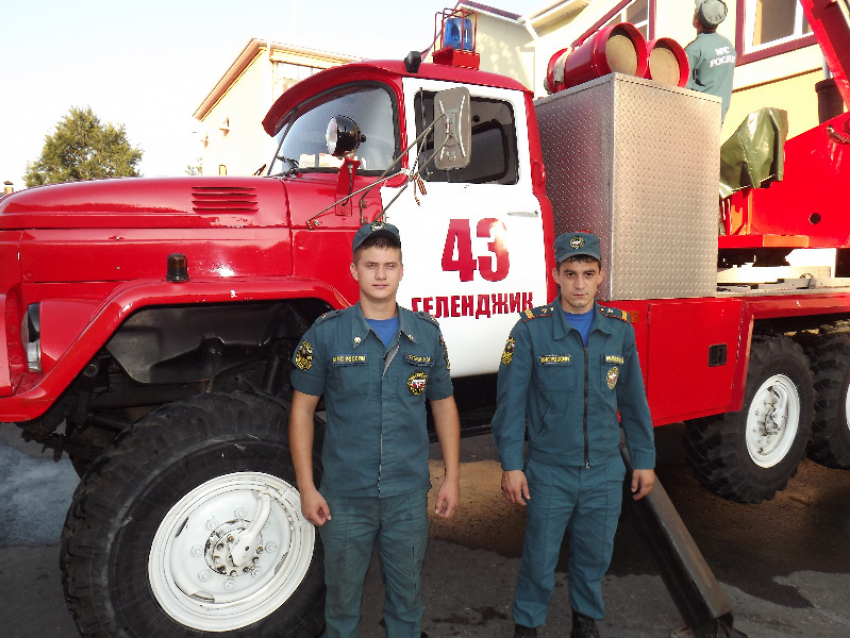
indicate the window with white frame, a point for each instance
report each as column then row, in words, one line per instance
column 637, row 13
column 770, row 23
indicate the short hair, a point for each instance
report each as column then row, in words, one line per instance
column 380, row 241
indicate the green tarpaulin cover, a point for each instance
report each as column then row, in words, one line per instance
column 754, row 153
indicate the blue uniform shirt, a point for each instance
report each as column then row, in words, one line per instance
column 376, row 439
column 570, row 394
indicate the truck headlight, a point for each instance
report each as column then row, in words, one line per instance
column 31, row 337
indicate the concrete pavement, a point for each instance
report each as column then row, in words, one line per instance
column 784, row 564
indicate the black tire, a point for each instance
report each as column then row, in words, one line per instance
column 149, row 542
column 747, row 456
column 829, row 444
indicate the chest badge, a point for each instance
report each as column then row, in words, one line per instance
column 416, row 382
column 304, row 356
column 508, row 354
column 612, row 376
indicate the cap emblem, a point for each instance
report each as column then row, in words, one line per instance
column 577, row 242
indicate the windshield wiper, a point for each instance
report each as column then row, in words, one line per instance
column 293, row 165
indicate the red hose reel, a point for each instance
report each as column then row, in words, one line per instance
column 619, row 48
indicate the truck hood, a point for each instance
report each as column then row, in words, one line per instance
column 175, row 202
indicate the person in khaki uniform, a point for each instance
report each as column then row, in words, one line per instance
column 567, row 369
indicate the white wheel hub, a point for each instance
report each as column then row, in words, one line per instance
column 773, row 420
column 231, row 552
column 846, row 407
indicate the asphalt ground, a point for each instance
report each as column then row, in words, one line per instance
column 784, row 564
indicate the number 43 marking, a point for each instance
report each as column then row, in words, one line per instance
column 459, row 241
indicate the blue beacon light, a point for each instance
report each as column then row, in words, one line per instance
column 457, row 34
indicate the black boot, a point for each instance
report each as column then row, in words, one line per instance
column 584, row 627
column 521, row 631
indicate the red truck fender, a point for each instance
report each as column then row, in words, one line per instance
column 72, row 331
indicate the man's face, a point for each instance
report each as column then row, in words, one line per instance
column 579, row 281
column 378, row 271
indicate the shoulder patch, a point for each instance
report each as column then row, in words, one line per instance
column 328, row 315
column 614, row 313
column 536, row 313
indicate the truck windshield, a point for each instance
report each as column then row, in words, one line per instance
column 301, row 141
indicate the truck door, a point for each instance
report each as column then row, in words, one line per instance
column 472, row 239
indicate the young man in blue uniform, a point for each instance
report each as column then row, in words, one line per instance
column 375, row 364
column 567, row 369
column 711, row 56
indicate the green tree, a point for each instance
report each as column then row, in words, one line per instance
column 196, row 168
column 83, row 148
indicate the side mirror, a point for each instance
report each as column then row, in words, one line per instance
column 343, row 136
column 453, row 133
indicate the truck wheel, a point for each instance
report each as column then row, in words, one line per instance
column 748, row 455
column 189, row 524
column 829, row 444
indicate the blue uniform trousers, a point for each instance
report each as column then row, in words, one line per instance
column 399, row 526
column 586, row 504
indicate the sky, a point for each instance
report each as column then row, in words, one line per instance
column 149, row 65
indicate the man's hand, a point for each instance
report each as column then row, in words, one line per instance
column 315, row 507
column 447, row 426
column 515, row 487
column 448, row 498
column 642, row 482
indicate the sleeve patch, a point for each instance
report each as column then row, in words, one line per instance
column 508, row 353
column 304, row 356
column 445, row 353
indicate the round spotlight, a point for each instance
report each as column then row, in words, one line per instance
column 343, row 136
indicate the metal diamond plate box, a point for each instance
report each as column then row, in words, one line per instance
column 638, row 163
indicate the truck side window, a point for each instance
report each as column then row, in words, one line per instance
column 494, row 147
column 301, row 140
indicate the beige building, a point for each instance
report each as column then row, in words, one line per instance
column 779, row 60
column 234, row 142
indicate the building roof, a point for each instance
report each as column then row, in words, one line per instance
column 279, row 53
column 546, row 15
column 483, row 8
column 555, row 12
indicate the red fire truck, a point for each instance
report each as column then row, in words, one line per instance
column 148, row 324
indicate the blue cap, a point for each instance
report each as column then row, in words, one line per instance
column 376, row 229
column 575, row 244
